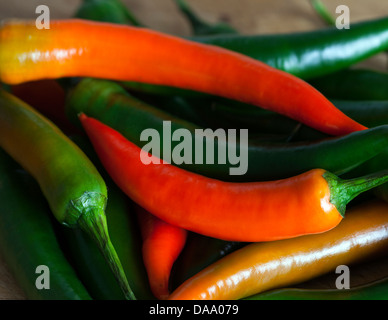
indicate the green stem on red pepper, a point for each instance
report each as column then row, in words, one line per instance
column 316, row 199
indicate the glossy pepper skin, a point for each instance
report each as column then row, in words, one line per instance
column 259, row 267
column 74, row 189
column 313, row 53
column 112, row 105
column 28, row 240
column 314, row 201
column 27, row 53
column 162, row 244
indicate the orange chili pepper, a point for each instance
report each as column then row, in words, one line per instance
column 258, row 267
column 312, row 202
column 102, row 50
column 162, row 244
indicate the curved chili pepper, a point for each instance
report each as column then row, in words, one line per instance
column 162, row 244
column 259, row 267
column 313, row 53
column 304, row 54
column 315, row 200
column 111, row 104
column 354, row 84
column 74, row 189
column 27, row 53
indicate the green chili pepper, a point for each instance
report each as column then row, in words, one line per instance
column 112, row 105
column 74, row 189
column 354, row 84
column 201, row 27
column 376, row 290
column 106, row 10
column 91, row 265
column 122, row 224
column 313, row 53
column 27, row 238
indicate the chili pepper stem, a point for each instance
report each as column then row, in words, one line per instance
column 323, row 12
column 93, row 222
column 343, row 191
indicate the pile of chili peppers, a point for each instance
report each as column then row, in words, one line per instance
column 77, row 196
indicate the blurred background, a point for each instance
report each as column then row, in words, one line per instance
column 247, row 16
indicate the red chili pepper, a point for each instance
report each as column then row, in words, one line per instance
column 111, row 51
column 162, row 244
column 312, row 202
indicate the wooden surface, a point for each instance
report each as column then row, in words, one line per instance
column 249, row 17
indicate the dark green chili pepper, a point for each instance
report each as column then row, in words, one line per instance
column 377, row 290
column 220, row 114
column 111, row 104
column 201, row 27
column 74, row 189
column 106, row 10
column 313, row 53
column 354, row 84
column 28, row 240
